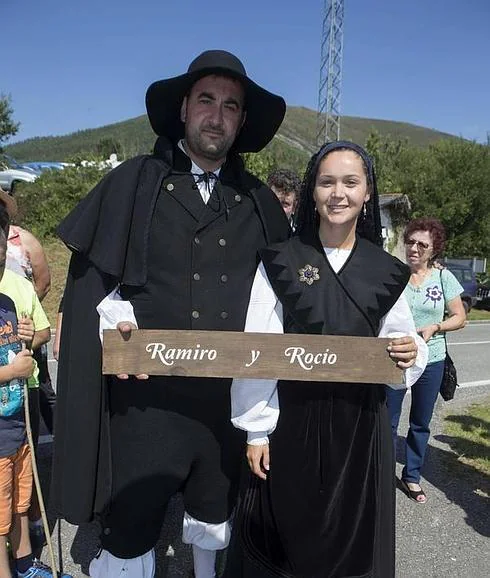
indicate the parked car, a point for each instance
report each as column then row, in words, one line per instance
column 466, row 276
column 42, row 166
column 10, row 175
column 483, row 296
column 14, row 164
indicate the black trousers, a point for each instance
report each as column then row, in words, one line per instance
column 168, row 435
column 47, row 396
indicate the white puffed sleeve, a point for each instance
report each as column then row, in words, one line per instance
column 112, row 310
column 254, row 402
column 398, row 322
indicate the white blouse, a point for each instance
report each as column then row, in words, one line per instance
column 254, row 402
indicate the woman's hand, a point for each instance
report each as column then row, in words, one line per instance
column 258, row 460
column 428, row 331
column 404, row 351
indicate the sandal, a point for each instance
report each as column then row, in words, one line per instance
column 418, row 496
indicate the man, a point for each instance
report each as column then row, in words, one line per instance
column 286, row 185
column 178, row 232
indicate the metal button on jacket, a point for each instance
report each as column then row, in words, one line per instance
column 196, row 276
column 196, row 240
column 224, row 278
column 224, row 315
column 170, row 187
column 107, row 531
column 238, row 198
column 195, row 314
column 222, row 242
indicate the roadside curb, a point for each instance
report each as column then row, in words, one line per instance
column 477, row 321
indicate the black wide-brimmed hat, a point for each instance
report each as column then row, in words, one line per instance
column 265, row 111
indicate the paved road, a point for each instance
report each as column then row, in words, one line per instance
column 448, row 537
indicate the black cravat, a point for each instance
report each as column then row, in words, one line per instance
column 213, row 188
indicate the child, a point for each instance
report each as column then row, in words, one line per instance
column 17, row 335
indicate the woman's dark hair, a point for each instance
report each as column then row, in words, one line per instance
column 435, row 229
column 369, row 225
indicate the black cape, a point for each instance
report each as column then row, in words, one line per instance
column 108, row 234
column 327, row 507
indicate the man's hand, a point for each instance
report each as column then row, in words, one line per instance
column 258, row 460
column 403, row 350
column 25, row 330
column 125, row 328
column 23, row 364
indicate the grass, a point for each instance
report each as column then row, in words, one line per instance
column 58, row 256
column 469, row 435
column 478, row 314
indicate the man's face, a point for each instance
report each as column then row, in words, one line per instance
column 213, row 115
column 287, row 199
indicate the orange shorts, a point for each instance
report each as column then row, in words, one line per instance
column 15, row 486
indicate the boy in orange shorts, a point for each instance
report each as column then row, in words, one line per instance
column 21, row 316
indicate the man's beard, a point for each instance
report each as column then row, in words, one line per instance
column 210, row 148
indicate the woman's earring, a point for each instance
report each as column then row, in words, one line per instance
column 364, row 210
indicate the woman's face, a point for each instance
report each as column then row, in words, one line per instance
column 418, row 248
column 340, row 188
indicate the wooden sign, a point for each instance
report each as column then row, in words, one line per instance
column 252, row 355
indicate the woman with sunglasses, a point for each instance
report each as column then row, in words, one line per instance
column 430, row 293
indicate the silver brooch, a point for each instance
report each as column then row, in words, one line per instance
column 308, row 274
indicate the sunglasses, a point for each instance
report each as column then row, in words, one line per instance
column 421, row 246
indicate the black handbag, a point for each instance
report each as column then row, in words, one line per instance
column 449, row 381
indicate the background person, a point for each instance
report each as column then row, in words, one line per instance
column 320, row 502
column 286, row 185
column 22, row 319
column 430, row 292
column 26, row 257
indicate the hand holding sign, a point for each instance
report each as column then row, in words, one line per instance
column 125, row 328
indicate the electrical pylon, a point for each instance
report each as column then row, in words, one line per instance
column 329, row 94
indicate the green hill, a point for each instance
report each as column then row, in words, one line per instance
column 293, row 144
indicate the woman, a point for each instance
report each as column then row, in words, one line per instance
column 322, row 506
column 430, row 292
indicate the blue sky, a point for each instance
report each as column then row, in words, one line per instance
column 76, row 64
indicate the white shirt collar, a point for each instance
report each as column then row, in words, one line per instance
column 205, row 187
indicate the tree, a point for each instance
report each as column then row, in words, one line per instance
column 108, row 146
column 451, row 181
column 448, row 180
column 8, row 127
column 389, row 157
column 46, row 201
column 259, row 164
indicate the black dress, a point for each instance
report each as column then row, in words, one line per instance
column 327, row 507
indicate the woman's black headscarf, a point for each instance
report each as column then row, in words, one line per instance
column 369, row 225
